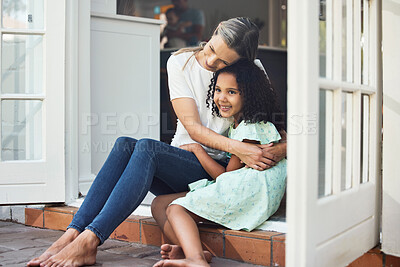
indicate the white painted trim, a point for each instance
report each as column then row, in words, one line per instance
column 71, row 100
column 127, row 18
column 303, row 36
column 391, row 129
column 84, row 131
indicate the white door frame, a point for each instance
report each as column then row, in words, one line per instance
column 316, row 235
column 42, row 180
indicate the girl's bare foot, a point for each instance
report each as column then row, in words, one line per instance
column 174, row 252
column 182, row 262
column 56, row 247
column 82, row 251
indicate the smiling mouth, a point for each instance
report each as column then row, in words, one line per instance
column 224, row 108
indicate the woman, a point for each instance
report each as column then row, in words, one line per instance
column 135, row 167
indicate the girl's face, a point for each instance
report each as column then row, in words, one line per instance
column 227, row 96
column 217, row 55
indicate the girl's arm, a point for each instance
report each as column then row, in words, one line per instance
column 213, row 168
column 252, row 155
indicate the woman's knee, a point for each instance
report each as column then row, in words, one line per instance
column 149, row 145
column 125, row 143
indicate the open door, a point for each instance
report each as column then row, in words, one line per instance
column 32, row 101
column 334, row 131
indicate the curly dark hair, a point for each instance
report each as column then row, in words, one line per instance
column 260, row 102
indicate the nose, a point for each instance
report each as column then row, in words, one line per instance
column 211, row 60
column 222, row 97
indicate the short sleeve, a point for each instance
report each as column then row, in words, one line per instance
column 265, row 133
column 177, row 84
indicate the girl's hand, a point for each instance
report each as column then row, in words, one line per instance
column 192, row 147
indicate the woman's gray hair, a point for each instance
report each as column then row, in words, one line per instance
column 239, row 34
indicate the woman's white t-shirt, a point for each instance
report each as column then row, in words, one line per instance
column 193, row 82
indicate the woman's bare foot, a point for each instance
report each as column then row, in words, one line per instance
column 82, row 251
column 56, row 247
column 182, row 262
column 174, row 252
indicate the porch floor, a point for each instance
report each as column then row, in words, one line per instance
column 143, row 237
column 19, row 244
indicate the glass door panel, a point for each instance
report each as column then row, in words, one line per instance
column 23, row 14
column 22, row 64
column 21, row 131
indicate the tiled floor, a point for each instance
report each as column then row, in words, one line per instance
column 19, row 244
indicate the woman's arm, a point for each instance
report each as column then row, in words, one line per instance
column 213, row 168
column 252, row 155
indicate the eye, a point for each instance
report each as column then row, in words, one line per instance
column 217, row 90
column 212, row 49
column 232, row 92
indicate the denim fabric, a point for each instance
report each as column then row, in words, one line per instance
column 133, row 168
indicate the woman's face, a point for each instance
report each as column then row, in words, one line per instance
column 217, row 55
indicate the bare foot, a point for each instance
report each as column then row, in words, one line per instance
column 82, row 251
column 56, row 247
column 182, row 262
column 174, row 252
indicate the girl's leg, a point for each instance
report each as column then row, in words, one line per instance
column 184, row 225
column 96, row 197
column 158, row 209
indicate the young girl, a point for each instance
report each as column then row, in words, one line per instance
column 239, row 197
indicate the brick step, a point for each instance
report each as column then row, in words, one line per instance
column 257, row 247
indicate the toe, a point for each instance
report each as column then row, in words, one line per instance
column 166, row 247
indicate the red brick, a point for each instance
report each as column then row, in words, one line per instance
column 256, row 251
column 127, row 231
column 34, row 217
column 56, row 220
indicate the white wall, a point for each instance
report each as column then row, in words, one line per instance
column 391, row 127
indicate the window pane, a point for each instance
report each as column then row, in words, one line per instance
column 22, row 64
column 322, row 39
column 347, row 138
column 364, row 138
column 21, row 130
column 325, row 143
column 23, row 14
column 344, row 40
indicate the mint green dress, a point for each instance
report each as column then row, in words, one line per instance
column 245, row 198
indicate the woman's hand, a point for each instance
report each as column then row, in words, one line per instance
column 261, row 157
column 194, row 147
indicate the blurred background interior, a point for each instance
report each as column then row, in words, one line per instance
column 269, row 15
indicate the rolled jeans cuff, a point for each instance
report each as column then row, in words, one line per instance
column 76, row 227
column 97, row 233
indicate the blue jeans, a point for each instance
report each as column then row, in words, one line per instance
column 133, row 168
